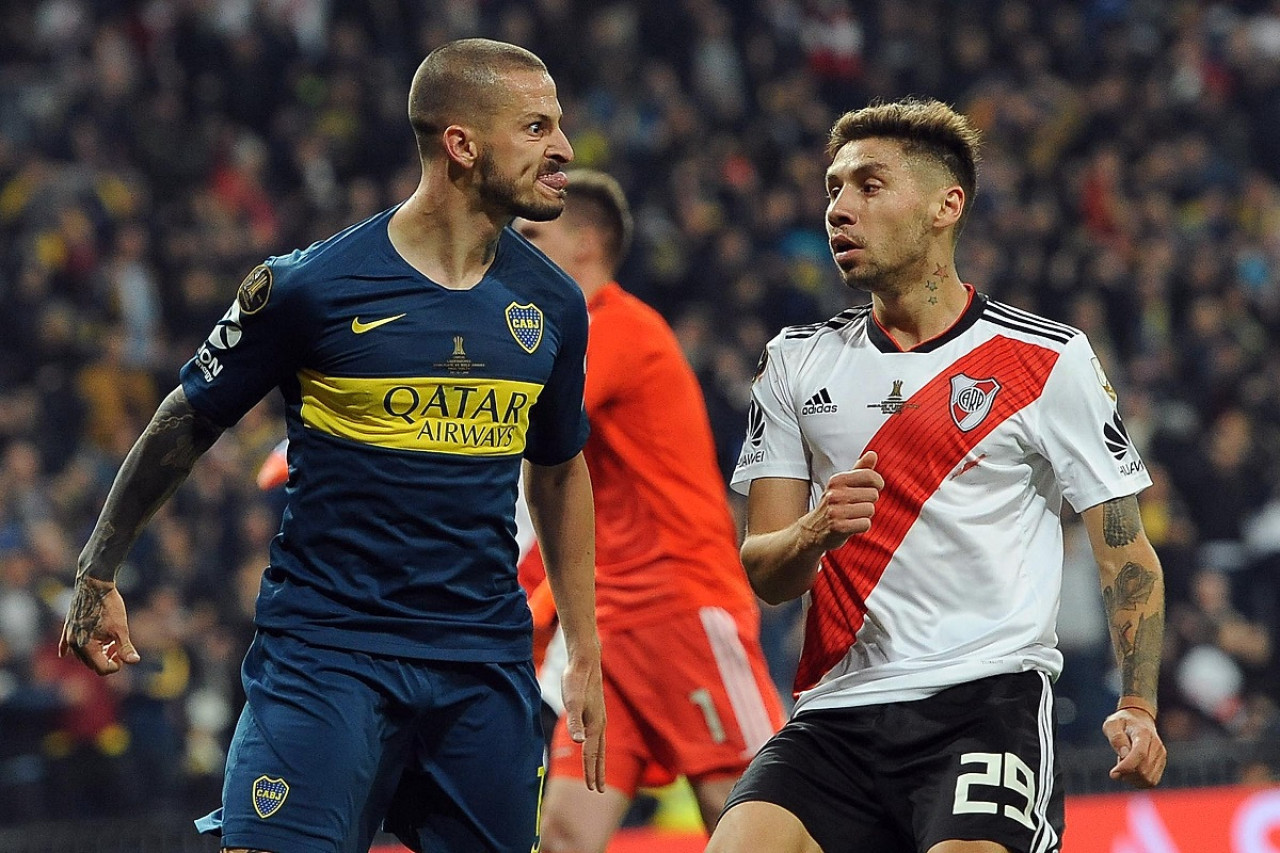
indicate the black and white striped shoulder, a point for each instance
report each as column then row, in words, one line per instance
column 840, row 321
column 1027, row 323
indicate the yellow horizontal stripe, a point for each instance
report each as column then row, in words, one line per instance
column 468, row 417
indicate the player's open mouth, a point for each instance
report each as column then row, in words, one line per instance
column 555, row 181
column 844, row 248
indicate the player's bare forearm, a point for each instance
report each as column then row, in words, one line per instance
column 563, row 513
column 780, row 564
column 1134, row 599
column 780, row 551
column 159, row 462
column 1133, row 595
column 97, row 626
column 785, row 539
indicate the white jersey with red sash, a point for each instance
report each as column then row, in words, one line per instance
column 980, row 433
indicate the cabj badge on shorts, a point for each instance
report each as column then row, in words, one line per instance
column 269, row 795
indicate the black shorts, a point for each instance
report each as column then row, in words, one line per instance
column 973, row 763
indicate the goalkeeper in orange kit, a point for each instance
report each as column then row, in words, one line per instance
column 687, row 691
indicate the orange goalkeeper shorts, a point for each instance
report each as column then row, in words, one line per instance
column 689, row 695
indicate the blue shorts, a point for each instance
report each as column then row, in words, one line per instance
column 333, row 742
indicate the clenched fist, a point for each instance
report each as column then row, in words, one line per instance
column 847, row 504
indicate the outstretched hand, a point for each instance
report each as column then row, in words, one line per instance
column 583, row 692
column 97, row 627
column 847, row 504
column 1140, row 751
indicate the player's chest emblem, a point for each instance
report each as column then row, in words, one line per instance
column 971, row 400
column 459, row 362
column 525, row 323
column 894, row 404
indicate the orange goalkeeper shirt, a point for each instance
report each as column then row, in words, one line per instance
column 665, row 538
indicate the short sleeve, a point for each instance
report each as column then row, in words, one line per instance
column 558, row 421
column 1082, row 434
column 773, row 446
column 254, row 347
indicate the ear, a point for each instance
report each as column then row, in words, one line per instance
column 461, row 145
column 950, row 207
column 589, row 245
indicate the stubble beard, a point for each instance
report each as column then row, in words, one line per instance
column 895, row 277
column 880, row 280
column 503, row 192
column 868, row 278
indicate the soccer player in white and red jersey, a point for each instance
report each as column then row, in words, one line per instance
column 906, row 464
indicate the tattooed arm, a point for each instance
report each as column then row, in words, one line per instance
column 1133, row 594
column 96, row 629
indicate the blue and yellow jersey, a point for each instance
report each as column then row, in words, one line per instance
column 409, row 408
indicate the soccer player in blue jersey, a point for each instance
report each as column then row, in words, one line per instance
column 422, row 355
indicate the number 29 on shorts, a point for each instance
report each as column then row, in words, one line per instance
column 999, row 771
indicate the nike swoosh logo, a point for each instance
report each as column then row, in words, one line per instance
column 360, row 328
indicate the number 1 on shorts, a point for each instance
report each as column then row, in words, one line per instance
column 702, row 698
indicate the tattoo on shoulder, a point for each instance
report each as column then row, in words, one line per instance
column 1121, row 521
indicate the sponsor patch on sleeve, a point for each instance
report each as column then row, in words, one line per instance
column 1103, row 381
column 255, row 290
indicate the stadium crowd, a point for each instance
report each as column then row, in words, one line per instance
column 153, row 151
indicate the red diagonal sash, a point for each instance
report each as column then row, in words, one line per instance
column 917, row 448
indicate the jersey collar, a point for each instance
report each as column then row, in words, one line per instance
column 884, row 342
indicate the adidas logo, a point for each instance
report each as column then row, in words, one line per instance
column 819, row 404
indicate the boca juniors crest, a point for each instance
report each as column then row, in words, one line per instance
column 268, row 795
column 971, row 400
column 525, row 323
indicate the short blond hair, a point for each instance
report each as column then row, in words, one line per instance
column 925, row 128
